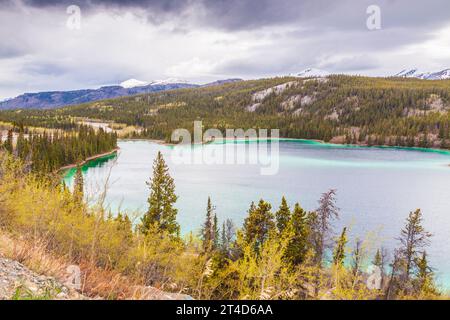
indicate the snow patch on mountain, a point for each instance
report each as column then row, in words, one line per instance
column 415, row 73
column 168, row 81
column 132, row 83
column 312, row 72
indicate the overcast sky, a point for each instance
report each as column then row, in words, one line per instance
column 206, row 40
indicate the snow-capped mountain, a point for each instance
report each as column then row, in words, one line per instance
column 131, row 83
column 54, row 99
column 415, row 73
column 312, row 72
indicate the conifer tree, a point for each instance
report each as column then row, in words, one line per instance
column 298, row 246
column 78, row 188
column 228, row 235
column 357, row 257
column 259, row 223
column 413, row 238
column 339, row 250
column 161, row 212
column 216, row 232
column 283, row 215
column 9, row 141
column 425, row 276
column 207, row 230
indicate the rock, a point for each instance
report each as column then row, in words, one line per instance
column 18, row 282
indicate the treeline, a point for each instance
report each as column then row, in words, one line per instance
column 48, row 151
column 369, row 111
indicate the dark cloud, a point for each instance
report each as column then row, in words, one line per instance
column 213, row 38
column 250, row 14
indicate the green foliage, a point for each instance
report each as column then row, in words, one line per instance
column 413, row 239
column 208, row 234
column 259, row 223
column 339, row 250
column 161, row 211
column 283, row 215
column 298, row 246
column 78, row 189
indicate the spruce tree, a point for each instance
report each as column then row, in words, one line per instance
column 339, row 250
column 78, row 188
column 259, row 223
column 413, row 238
column 216, row 232
column 425, row 276
column 207, row 230
column 161, row 212
column 298, row 246
column 9, row 142
column 228, row 235
column 283, row 215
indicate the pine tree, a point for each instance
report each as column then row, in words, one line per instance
column 298, row 246
column 339, row 250
column 413, row 239
column 425, row 276
column 283, row 215
column 259, row 223
column 357, row 257
column 207, row 230
column 161, row 212
column 78, row 188
column 228, row 234
column 9, row 142
column 216, row 232
column 377, row 259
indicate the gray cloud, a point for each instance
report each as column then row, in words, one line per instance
column 206, row 39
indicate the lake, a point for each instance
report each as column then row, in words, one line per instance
column 376, row 187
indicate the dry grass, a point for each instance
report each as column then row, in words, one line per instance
column 34, row 255
column 95, row 282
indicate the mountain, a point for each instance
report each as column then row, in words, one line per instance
column 312, row 73
column 54, row 99
column 131, row 83
column 414, row 73
column 219, row 82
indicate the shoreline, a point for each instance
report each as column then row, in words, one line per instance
column 319, row 142
column 91, row 158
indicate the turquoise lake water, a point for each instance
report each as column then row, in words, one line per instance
column 376, row 187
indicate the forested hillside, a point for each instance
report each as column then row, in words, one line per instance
column 341, row 109
column 49, row 151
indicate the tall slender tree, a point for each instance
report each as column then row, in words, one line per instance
column 207, row 230
column 339, row 250
column 78, row 187
column 161, row 212
column 298, row 246
column 321, row 224
column 413, row 239
column 9, row 142
column 425, row 277
column 283, row 215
